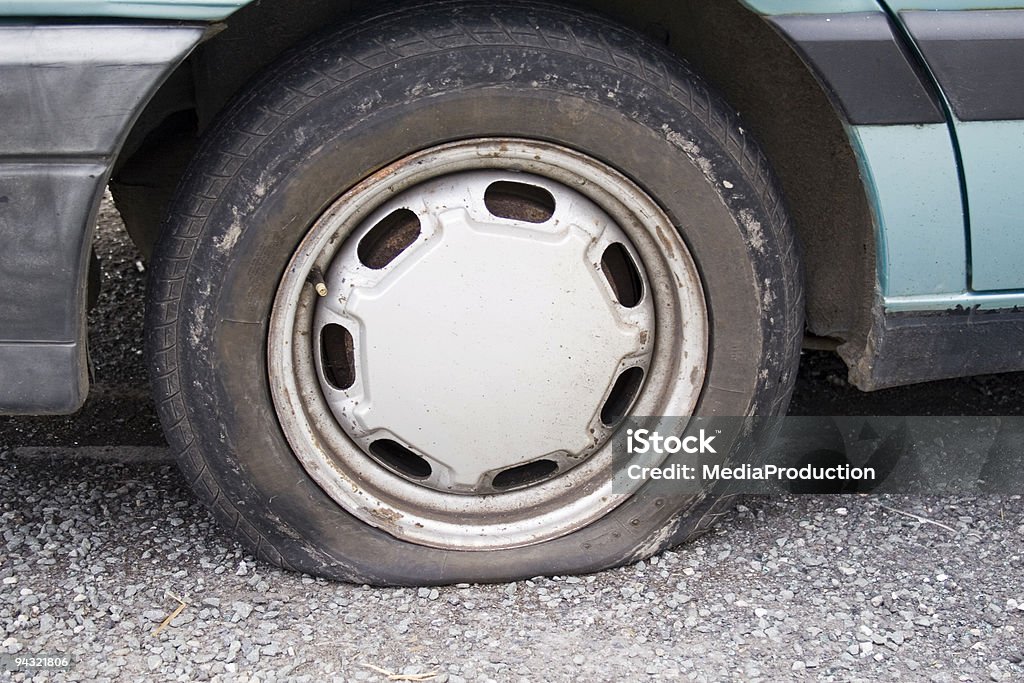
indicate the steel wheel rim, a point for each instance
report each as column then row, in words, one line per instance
column 334, row 447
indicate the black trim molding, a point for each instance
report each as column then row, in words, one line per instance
column 864, row 67
column 977, row 57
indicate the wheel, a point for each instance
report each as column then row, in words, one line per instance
column 418, row 274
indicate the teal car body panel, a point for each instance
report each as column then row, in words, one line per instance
column 910, row 174
column 952, row 5
column 991, row 150
column 775, row 7
column 992, row 153
column 183, row 10
column 947, row 206
column 772, row 7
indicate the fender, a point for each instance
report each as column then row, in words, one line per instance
column 68, row 96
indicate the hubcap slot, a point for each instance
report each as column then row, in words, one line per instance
column 392, row 235
column 620, row 269
column 399, row 458
column 338, row 356
column 522, row 475
column 519, row 202
column 621, row 398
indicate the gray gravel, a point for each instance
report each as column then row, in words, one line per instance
column 822, row 588
column 101, row 536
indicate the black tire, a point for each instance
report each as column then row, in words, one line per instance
column 356, row 99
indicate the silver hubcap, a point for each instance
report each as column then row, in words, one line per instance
column 516, row 318
column 457, row 338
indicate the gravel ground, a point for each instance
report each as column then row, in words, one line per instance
column 101, row 536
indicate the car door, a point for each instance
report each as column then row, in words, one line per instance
column 974, row 50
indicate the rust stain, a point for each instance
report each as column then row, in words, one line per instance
column 665, row 241
column 386, row 514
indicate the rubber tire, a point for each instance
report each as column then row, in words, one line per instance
column 353, row 100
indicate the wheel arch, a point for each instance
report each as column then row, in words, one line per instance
column 780, row 102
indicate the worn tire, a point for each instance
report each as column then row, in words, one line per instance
column 342, row 106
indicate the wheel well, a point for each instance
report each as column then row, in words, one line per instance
column 778, row 99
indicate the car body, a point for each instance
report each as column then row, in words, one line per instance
column 927, row 93
column 892, row 134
